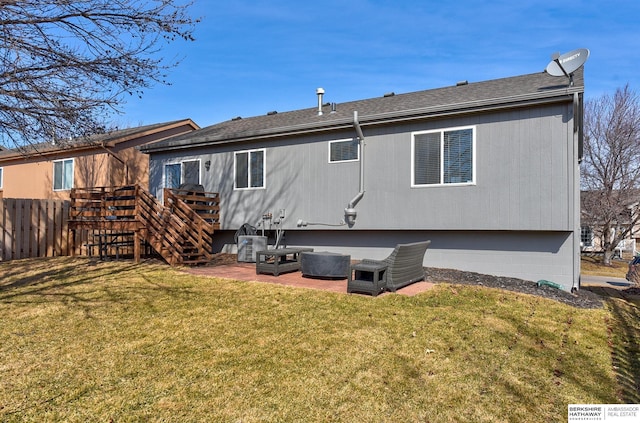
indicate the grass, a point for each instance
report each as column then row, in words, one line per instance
column 624, row 327
column 592, row 265
column 93, row 341
column 626, row 347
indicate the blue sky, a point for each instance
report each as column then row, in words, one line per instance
column 252, row 57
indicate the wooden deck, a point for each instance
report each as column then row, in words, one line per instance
column 180, row 230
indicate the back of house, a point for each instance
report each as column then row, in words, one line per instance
column 488, row 171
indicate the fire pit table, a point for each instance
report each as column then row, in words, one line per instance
column 323, row 264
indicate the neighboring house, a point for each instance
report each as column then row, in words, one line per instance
column 487, row 171
column 591, row 235
column 49, row 171
column 591, row 242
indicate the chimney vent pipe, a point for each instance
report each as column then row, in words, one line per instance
column 320, row 93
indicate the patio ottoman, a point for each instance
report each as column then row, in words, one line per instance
column 370, row 278
column 323, row 264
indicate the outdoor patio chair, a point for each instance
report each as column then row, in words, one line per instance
column 404, row 264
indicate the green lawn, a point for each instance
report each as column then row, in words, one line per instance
column 93, row 341
column 592, row 265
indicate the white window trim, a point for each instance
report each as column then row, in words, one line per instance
column 442, row 131
column 1, row 177
column 342, row 161
column 164, row 173
column 73, row 174
column 264, row 169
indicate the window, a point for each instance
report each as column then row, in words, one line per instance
column 586, row 236
column 249, row 169
column 344, row 150
column 62, row 175
column 176, row 174
column 443, row 157
column 191, row 172
column 172, row 175
column 0, row 178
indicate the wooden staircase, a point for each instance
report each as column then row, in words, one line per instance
column 181, row 230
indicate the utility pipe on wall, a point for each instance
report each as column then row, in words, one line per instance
column 350, row 212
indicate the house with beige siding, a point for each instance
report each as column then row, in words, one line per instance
column 488, row 171
column 50, row 171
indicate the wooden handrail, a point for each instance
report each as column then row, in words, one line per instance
column 181, row 230
column 198, row 231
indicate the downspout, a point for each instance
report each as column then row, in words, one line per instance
column 578, row 151
column 350, row 212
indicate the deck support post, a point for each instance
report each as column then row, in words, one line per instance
column 136, row 246
column 72, row 242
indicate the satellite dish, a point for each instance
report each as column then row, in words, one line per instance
column 566, row 64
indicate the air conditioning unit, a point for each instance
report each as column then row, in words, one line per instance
column 248, row 245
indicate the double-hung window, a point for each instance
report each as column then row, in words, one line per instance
column 586, row 236
column 249, row 169
column 176, row 174
column 62, row 174
column 443, row 157
column 344, row 150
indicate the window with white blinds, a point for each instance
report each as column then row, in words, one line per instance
column 443, row 157
column 344, row 150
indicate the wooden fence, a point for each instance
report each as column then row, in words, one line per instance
column 33, row 228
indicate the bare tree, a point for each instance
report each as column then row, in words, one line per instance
column 65, row 65
column 611, row 168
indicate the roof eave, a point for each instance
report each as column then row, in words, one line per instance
column 93, row 145
column 118, row 140
column 13, row 157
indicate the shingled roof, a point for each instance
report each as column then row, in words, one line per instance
column 108, row 139
column 462, row 98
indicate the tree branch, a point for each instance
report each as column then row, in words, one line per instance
column 65, row 66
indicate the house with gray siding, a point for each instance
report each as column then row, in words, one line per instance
column 488, row 171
